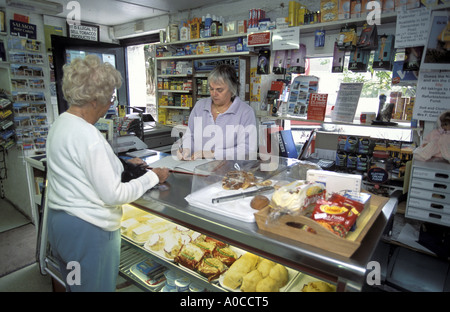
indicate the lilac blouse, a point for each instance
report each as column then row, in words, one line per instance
column 232, row 136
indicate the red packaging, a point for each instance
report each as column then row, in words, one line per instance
column 338, row 217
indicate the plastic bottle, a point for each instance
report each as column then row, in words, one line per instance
column 239, row 47
column 208, row 22
column 214, row 26
column 184, row 32
column 220, row 26
column 202, row 27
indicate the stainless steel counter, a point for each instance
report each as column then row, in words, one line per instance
column 348, row 273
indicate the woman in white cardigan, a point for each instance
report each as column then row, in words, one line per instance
column 85, row 191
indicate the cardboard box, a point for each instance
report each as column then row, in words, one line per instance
column 230, row 28
column 335, row 181
column 344, row 9
column 329, row 10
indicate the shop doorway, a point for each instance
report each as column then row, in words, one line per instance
column 141, row 77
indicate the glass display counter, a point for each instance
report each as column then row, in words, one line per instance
column 349, row 274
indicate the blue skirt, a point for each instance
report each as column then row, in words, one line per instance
column 88, row 256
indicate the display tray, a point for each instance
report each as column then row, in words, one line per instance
column 293, row 276
column 290, row 226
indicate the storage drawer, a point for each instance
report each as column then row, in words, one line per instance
column 437, row 197
column 436, row 176
column 428, row 216
column 431, row 185
column 429, row 205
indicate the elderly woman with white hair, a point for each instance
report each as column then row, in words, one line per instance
column 85, row 189
column 221, row 126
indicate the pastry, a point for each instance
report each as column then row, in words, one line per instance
column 207, row 247
column 217, row 242
column 211, row 268
column 237, row 179
column 265, row 266
column 189, row 256
column 259, row 202
column 128, row 225
column 226, row 255
column 156, row 242
column 234, row 275
column 141, row 233
column 171, row 248
column 279, row 274
column 250, row 280
column 318, row 286
column 267, row 284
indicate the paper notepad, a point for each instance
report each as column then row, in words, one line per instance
column 175, row 164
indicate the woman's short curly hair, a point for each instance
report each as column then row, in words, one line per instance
column 89, row 79
column 227, row 74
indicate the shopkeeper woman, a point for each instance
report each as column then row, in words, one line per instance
column 221, row 126
column 85, row 192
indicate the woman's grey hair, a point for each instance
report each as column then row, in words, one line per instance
column 89, row 79
column 226, row 74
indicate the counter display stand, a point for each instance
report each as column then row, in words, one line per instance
column 347, row 273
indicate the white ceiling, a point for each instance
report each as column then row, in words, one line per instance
column 116, row 12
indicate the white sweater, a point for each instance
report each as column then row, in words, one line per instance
column 84, row 174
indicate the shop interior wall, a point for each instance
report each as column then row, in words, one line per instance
column 15, row 186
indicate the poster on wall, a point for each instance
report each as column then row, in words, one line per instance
column 432, row 96
column 437, row 49
column 83, row 31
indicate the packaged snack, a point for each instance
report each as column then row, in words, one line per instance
column 338, row 217
column 189, row 256
column 211, row 268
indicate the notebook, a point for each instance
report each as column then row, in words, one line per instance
column 176, row 165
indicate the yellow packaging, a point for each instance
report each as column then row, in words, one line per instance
column 195, row 29
column 301, row 15
column 292, row 13
column 329, row 10
column 214, row 49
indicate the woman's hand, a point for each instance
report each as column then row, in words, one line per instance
column 162, row 173
column 136, row 161
column 184, row 154
column 203, row 154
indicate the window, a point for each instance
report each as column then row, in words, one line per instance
column 375, row 83
column 141, row 63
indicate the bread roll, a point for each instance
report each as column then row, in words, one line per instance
column 318, row 286
column 267, row 284
column 250, row 280
column 259, row 202
column 280, row 274
column 265, row 266
column 234, row 275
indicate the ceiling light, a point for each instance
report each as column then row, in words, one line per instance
column 36, row 6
